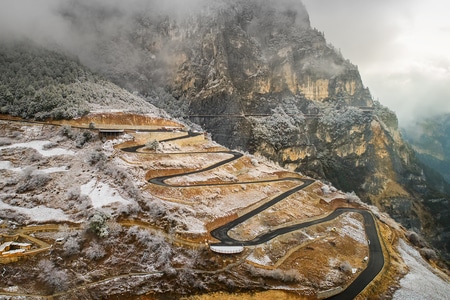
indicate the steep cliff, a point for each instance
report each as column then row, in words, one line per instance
column 258, row 77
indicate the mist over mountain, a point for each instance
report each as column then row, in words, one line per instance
column 258, row 77
column 430, row 138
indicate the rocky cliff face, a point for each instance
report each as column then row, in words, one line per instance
column 258, row 77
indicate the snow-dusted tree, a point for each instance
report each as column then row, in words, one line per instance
column 56, row 279
column 71, row 246
column 279, row 129
column 32, row 180
column 152, row 145
column 428, row 253
column 97, row 224
column 338, row 118
column 96, row 157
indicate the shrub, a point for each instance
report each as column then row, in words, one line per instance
column 95, row 252
column 56, row 279
column 83, row 138
column 415, row 239
column 428, row 253
column 66, row 130
column 73, row 193
column 97, row 224
column 352, row 198
column 50, row 145
column 71, row 247
column 31, row 181
column 96, row 157
column 152, row 145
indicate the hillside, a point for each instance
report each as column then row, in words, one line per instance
column 37, row 83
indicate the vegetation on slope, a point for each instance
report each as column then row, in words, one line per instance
column 431, row 140
column 38, row 83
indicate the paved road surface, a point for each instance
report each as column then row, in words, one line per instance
column 376, row 259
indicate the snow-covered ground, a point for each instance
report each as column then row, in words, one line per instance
column 39, row 146
column 7, row 165
column 101, row 194
column 420, row 283
column 353, row 228
column 38, row 214
column 263, row 261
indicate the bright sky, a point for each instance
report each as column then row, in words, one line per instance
column 402, row 49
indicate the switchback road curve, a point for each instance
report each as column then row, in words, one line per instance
column 376, row 259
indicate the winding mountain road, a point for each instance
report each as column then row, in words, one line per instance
column 376, row 259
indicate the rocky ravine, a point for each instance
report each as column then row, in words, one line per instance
column 258, row 77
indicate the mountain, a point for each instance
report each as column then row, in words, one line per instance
column 430, row 139
column 258, row 78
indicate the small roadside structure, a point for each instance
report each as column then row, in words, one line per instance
column 227, row 249
column 110, row 133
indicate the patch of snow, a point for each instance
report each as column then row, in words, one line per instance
column 39, row 213
column 11, row 289
column 54, row 170
column 101, row 194
column 420, row 282
column 353, row 228
column 262, row 261
column 7, row 165
column 193, row 224
column 326, row 189
column 330, row 279
column 38, row 146
column 307, row 235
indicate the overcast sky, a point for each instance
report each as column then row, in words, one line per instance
column 402, row 49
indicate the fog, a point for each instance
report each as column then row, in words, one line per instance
column 74, row 24
column 401, row 47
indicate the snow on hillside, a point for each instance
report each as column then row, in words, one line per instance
column 353, row 228
column 39, row 146
column 40, row 214
column 420, row 283
column 7, row 165
column 101, row 194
